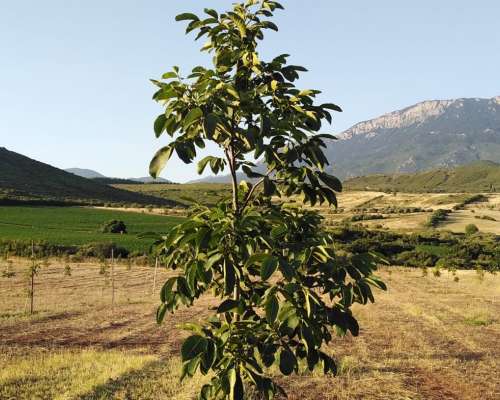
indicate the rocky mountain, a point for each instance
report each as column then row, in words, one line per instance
column 431, row 134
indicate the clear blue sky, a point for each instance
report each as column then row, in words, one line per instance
column 74, row 89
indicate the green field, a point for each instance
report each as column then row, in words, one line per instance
column 205, row 193
column 78, row 226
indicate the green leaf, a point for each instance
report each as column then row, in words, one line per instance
column 211, row 12
column 203, row 163
column 227, row 305
column 287, row 362
column 272, row 309
column 331, row 106
column 269, row 187
column 269, row 266
column 279, row 231
column 210, row 125
column 231, row 377
column 212, row 260
column 287, row 270
column 331, row 181
column 166, row 290
column 186, row 17
column 192, row 347
column 160, row 313
column 160, row 160
column 208, row 357
column 229, row 278
column 191, row 117
column 270, row 25
column 169, row 75
column 159, row 125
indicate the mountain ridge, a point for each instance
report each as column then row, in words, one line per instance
column 426, row 135
column 479, row 176
column 25, row 179
column 91, row 174
column 429, row 134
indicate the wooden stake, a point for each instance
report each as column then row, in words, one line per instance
column 112, row 277
column 154, row 278
column 32, row 276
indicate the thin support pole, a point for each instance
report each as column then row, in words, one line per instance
column 112, row 277
column 154, row 277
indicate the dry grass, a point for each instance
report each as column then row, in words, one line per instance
column 426, row 338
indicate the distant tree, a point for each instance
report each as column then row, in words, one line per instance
column 471, row 229
column 114, row 226
column 274, row 268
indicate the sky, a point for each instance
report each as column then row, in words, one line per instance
column 74, row 74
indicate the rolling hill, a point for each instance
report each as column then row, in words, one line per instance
column 480, row 176
column 431, row 134
column 22, row 178
column 85, row 173
column 91, row 174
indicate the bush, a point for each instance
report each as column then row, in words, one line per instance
column 471, row 229
column 114, row 226
column 102, row 250
column 437, row 217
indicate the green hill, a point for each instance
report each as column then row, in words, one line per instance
column 480, row 176
column 22, row 178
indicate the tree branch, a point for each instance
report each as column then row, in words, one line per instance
column 252, row 190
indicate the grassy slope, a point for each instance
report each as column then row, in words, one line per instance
column 480, row 176
column 411, row 346
column 78, row 226
column 24, row 178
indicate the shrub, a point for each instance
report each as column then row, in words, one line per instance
column 471, row 229
column 114, row 226
column 437, row 217
column 102, row 250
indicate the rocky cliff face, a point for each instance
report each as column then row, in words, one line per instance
column 438, row 133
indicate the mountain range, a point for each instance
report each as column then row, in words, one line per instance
column 428, row 135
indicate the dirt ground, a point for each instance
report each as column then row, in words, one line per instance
column 426, row 338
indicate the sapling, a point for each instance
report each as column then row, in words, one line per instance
column 282, row 291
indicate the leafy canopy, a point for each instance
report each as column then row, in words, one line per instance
column 281, row 286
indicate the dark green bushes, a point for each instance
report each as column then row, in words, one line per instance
column 469, row 200
column 23, row 248
column 423, row 249
column 114, row 226
column 437, row 217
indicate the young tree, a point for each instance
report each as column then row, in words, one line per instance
column 281, row 287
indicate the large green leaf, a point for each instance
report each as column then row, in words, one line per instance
column 159, row 125
column 186, row 17
column 287, row 362
column 269, row 266
column 331, row 181
column 203, row 163
column 160, row 160
column 210, row 125
column 272, row 309
column 208, row 357
column 191, row 117
column 227, row 305
column 192, row 347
